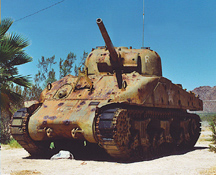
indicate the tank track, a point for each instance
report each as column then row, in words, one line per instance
column 137, row 134
column 126, row 134
column 19, row 131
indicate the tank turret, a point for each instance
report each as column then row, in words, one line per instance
column 121, row 59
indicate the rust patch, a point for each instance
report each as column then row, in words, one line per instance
column 93, row 109
column 100, row 78
column 82, row 103
column 46, row 117
column 129, row 100
column 50, row 117
column 101, row 59
column 78, row 110
column 139, row 90
column 66, row 122
column 90, row 55
column 108, row 93
column 90, row 93
column 60, row 104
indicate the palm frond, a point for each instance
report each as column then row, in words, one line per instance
column 21, row 80
column 7, row 98
column 18, row 41
column 19, row 58
column 4, row 102
column 11, row 55
column 7, row 50
column 10, row 46
column 9, row 72
column 4, row 26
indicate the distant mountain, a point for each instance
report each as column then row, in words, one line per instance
column 208, row 95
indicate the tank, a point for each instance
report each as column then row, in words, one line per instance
column 119, row 102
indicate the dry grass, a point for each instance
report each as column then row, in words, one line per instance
column 205, row 134
column 210, row 171
column 25, row 172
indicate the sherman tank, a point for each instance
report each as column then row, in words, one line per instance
column 120, row 101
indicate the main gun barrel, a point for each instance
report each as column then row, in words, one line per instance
column 109, row 44
column 114, row 58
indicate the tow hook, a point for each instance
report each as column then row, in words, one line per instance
column 74, row 131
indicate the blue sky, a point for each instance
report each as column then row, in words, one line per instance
column 182, row 32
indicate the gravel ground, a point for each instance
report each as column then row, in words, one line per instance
column 197, row 161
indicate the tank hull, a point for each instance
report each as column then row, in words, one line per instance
column 152, row 109
column 77, row 111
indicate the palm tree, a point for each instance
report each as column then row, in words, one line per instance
column 11, row 55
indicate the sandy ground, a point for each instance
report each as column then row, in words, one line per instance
column 197, row 161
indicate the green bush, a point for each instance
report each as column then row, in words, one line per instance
column 5, row 128
column 213, row 129
column 209, row 117
column 14, row 144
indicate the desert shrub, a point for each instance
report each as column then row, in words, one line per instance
column 209, row 117
column 213, row 129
